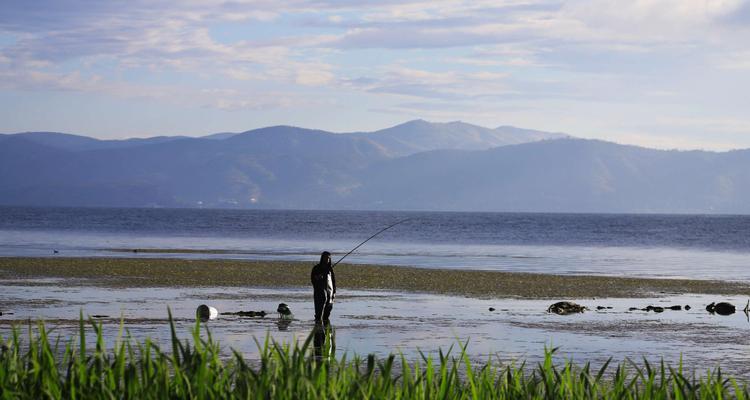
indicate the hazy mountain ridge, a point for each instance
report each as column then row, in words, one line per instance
column 290, row 167
column 567, row 175
column 418, row 136
column 72, row 142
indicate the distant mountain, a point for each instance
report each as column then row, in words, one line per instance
column 81, row 143
column 273, row 167
column 408, row 138
column 414, row 166
column 566, row 175
column 417, row 136
column 220, row 136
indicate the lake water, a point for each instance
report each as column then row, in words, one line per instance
column 703, row 247
column 692, row 246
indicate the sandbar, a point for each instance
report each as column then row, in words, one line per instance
column 154, row 272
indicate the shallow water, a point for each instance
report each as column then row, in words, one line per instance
column 381, row 322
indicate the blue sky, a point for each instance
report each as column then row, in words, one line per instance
column 665, row 74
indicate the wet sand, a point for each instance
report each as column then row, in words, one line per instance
column 125, row 272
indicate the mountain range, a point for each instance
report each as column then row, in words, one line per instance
column 417, row 165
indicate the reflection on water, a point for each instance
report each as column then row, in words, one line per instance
column 324, row 341
column 384, row 322
column 283, row 324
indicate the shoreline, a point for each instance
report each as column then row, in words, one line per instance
column 154, row 272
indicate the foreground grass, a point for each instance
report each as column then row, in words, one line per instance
column 150, row 272
column 193, row 369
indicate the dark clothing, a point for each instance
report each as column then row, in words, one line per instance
column 324, row 287
column 323, row 304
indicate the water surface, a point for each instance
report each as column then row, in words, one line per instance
column 679, row 246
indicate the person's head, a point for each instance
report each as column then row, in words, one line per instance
column 325, row 258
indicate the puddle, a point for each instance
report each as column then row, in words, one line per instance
column 382, row 322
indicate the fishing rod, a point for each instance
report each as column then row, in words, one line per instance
column 368, row 239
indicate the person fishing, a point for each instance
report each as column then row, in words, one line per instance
column 324, row 280
column 324, row 287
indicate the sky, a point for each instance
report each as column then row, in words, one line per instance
column 671, row 74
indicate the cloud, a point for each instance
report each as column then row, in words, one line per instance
column 314, row 74
column 449, row 85
column 460, row 57
column 735, row 61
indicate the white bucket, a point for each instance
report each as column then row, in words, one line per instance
column 205, row 313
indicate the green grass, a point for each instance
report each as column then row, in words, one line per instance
column 46, row 368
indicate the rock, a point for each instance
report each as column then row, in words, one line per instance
column 565, row 308
column 687, row 307
column 99, row 316
column 632, row 308
column 675, row 308
column 492, row 308
column 246, row 313
column 656, row 309
column 721, row 308
column 601, row 308
column 283, row 310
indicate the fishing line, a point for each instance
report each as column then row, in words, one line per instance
column 368, row 239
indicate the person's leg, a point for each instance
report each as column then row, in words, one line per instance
column 319, row 296
column 328, row 305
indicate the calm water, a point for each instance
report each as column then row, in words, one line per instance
column 696, row 246
column 382, row 321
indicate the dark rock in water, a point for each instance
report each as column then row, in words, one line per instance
column 566, row 307
column 1, row 313
column 632, row 308
column 283, row 310
column 99, row 316
column 492, row 308
column 721, row 308
column 601, row 308
column 687, row 307
column 675, row 308
column 246, row 313
column 655, row 309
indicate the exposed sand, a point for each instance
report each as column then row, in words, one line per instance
column 145, row 272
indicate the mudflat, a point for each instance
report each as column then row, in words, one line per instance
column 151, row 272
